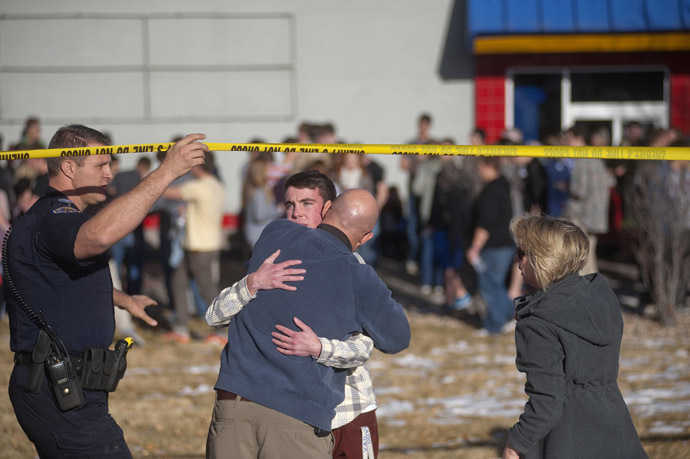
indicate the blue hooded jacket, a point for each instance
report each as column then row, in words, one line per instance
column 337, row 297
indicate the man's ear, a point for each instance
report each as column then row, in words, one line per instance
column 67, row 167
column 364, row 239
column 326, row 208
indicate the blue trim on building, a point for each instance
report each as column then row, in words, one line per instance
column 509, row 17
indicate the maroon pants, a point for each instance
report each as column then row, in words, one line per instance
column 348, row 438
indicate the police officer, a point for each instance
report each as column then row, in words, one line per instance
column 58, row 263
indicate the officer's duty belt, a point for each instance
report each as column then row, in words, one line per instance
column 24, row 358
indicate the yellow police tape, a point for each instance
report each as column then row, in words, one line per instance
column 641, row 153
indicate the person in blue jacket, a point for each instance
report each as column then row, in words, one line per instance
column 274, row 405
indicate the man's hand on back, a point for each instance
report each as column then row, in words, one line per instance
column 303, row 343
column 270, row 275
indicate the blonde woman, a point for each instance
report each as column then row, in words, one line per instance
column 568, row 339
column 258, row 200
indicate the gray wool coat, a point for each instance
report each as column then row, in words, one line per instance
column 568, row 342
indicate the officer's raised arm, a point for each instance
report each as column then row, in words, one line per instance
column 124, row 214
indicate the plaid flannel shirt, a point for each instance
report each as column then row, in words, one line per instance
column 351, row 354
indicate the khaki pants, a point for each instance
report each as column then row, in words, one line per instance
column 204, row 268
column 592, row 266
column 246, row 430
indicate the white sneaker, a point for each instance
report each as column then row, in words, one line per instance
column 425, row 289
column 482, row 333
column 439, row 291
column 411, row 268
column 461, row 303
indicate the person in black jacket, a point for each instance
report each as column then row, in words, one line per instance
column 491, row 250
column 568, row 339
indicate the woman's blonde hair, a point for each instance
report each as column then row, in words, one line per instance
column 256, row 179
column 555, row 247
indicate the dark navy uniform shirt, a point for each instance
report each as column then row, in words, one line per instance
column 75, row 296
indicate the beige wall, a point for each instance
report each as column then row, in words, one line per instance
column 145, row 71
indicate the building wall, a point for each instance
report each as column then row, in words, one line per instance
column 235, row 70
column 680, row 103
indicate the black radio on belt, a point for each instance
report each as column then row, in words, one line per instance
column 65, row 382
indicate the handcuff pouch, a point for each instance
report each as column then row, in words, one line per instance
column 39, row 354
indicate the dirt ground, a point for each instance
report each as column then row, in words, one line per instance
column 453, row 393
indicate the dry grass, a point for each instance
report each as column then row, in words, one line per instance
column 452, row 394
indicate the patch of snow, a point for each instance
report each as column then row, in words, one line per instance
column 666, row 429
column 414, row 362
column 394, row 408
column 198, row 390
column 144, row 371
column 201, row 369
column 387, row 390
column 478, row 405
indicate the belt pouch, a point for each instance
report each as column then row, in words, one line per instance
column 110, row 371
column 118, row 371
column 38, row 357
column 92, row 376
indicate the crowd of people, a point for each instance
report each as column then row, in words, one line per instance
column 457, row 233
column 451, row 231
column 446, row 226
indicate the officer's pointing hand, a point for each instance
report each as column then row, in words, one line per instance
column 185, row 154
column 137, row 307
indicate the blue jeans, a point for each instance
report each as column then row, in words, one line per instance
column 119, row 250
column 430, row 272
column 129, row 252
column 412, row 228
column 492, row 285
column 199, row 303
column 370, row 251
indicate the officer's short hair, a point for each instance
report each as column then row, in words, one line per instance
column 313, row 180
column 73, row 136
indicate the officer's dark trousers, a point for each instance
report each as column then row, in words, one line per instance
column 85, row 432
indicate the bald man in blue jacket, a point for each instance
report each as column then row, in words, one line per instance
column 275, row 405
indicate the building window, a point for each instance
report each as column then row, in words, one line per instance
column 542, row 102
column 617, row 86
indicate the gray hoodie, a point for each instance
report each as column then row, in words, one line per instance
column 568, row 344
